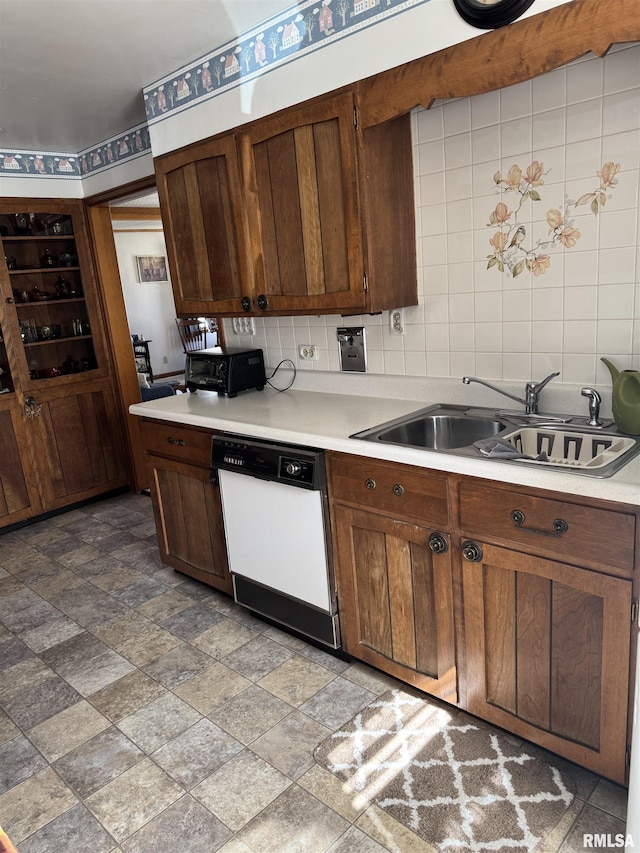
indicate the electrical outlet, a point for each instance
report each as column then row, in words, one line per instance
column 165, row 359
column 308, row 352
column 243, row 325
column 396, row 321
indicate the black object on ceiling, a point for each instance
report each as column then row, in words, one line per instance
column 491, row 14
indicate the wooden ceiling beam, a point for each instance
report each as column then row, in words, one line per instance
column 501, row 58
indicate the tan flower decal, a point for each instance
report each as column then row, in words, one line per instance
column 608, row 174
column 500, row 215
column 510, row 253
column 540, row 264
column 568, row 236
column 598, row 198
column 534, row 173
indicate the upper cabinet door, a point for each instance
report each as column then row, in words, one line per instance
column 301, row 192
column 202, row 213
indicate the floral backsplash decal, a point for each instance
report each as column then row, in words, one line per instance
column 513, row 251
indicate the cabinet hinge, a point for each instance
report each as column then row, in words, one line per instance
column 634, row 612
column 355, row 116
column 365, row 283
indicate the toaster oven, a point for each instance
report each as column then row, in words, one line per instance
column 226, row 371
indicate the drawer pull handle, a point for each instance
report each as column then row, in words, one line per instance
column 369, row 483
column 471, row 551
column 398, row 490
column 179, row 441
column 559, row 525
column 438, row 543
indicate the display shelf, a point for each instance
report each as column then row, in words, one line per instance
column 48, row 294
column 33, row 302
column 46, row 270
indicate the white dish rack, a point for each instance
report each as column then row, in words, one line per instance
column 569, row 448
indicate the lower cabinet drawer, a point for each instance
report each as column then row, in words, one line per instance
column 393, row 488
column 588, row 536
column 177, row 442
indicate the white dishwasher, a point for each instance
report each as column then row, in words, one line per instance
column 275, row 509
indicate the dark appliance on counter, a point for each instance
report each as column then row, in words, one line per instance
column 226, row 371
column 276, row 521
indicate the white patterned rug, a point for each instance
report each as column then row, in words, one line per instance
column 459, row 784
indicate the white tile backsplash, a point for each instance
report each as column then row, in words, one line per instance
column 478, row 321
column 485, row 110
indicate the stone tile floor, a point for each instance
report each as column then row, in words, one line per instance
column 142, row 711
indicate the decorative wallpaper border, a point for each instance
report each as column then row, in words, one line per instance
column 301, row 30
column 128, row 145
column 38, row 164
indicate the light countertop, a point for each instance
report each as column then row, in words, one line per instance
column 326, row 421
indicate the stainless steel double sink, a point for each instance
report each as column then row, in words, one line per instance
column 563, row 442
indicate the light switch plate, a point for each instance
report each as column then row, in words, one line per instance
column 353, row 355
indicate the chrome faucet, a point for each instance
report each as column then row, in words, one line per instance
column 532, row 391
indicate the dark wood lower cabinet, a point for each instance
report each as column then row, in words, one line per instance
column 188, row 513
column 58, row 448
column 529, row 630
column 547, row 653
column 77, row 441
column 395, row 599
column 19, row 497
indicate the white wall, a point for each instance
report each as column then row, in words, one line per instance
column 415, row 32
column 115, row 176
column 471, row 320
column 150, row 307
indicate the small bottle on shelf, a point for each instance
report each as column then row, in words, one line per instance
column 48, row 259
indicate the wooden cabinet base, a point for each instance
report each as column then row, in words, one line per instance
column 546, row 658
column 439, row 588
column 188, row 515
column 395, row 599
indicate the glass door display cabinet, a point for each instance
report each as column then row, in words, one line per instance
column 60, row 429
column 43, row 265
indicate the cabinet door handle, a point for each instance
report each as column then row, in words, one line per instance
column 214, row 479
column 471, row 551
column 263, row 302
column 398, row 490
column 32, row 408
column 369, row 483
column 438, row 543
column 245, row 303
column 179, row 441
column 559, row 525
column 9, row 300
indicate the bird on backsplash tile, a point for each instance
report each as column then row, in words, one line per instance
column 518, row 237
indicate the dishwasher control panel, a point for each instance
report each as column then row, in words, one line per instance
column 284, row 463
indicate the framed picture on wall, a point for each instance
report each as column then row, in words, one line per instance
column 152, row 268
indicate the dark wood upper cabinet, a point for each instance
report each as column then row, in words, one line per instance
column 300, row 177
column 202, row 212
column 294, row 214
